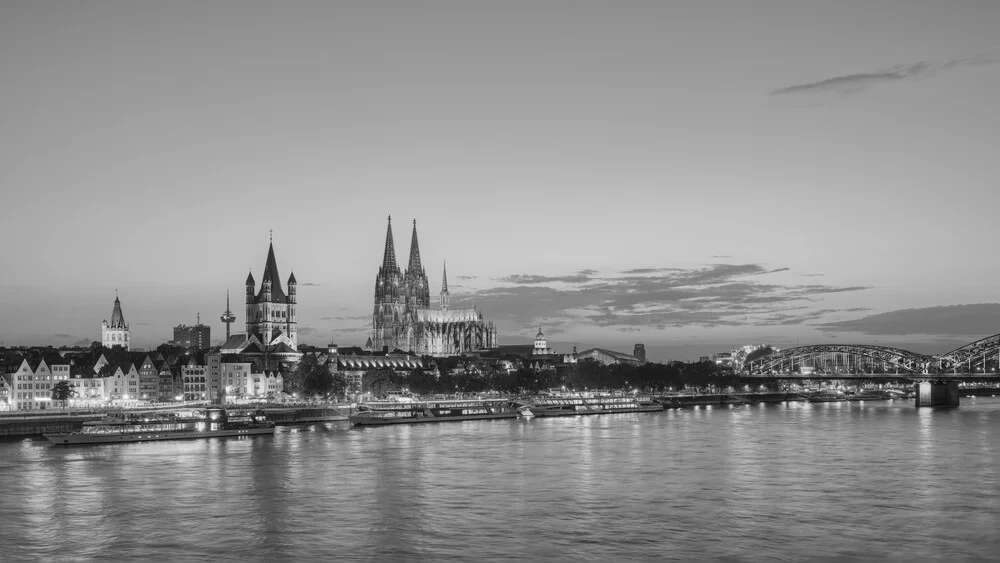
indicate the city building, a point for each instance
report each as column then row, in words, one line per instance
column 404, row 320
column 640, row 352
column 723, row 359
column 194, row 378
column 116, row 333
column 353, row 366
column 608, row 357
column 196, row 337
column 31, row 379
column 271, row 321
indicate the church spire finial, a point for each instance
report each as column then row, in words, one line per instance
column 444, row 277
column 270, row 235
column 389, row 258
column 414, row 265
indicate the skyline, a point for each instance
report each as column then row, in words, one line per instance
column 681, row 176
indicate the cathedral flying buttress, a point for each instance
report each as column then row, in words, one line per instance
column 403, row 318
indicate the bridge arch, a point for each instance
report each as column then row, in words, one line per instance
column 981, row 355
column 855, row 358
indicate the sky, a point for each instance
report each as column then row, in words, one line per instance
column 691, row 175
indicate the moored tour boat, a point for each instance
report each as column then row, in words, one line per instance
column 444, row 410
column 569, row 404
column 134, row 427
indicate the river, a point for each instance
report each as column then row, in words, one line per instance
column 876, row 480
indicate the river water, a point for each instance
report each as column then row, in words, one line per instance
column 878, row 480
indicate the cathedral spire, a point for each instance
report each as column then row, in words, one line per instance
column 445, row 297
column 414, row 265
column 389, row 258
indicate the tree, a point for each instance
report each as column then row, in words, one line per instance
column 378, row 382
column 62, row 391
column 311, row 378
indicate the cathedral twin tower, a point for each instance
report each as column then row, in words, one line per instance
column 403, row 318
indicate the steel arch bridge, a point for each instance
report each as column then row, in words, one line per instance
column 981, row 356
column 841, row 358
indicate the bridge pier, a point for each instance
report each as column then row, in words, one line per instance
column 937, row 394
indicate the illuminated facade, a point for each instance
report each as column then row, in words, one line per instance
column 404, row 320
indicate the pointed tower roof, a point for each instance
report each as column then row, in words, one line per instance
column 444, row 278
column 117, row 318
column 250, row 280
column 414, row 265
column 271, row 274
column 389, row 258
column 291, row 279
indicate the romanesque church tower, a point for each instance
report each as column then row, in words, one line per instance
column 270, row 312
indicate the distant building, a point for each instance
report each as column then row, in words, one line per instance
column 608, row 357
column 31, row 380
column 640, row 352
column 116, row 333
column 705, row 358
column 196, row 337
column 723, row 359
column 541, row 346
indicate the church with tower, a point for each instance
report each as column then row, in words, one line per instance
column 116, row 333
column 271, row 321
column 404, row 320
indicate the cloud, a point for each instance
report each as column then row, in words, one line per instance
column 628, row 329
column 468, row 277
column 538, row 279
column 981, row 319
column 347, row 318
column 310, row 283
column 82, row 342
column 63, row 335
column 713, row 295
column 304, row 330
column 721, row 256
column 812, row 275
column 853, row 83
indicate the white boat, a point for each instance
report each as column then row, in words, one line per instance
column 568, row 404
column 134, row 427
column 391, row 412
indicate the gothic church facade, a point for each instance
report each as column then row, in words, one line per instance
column 403, row 318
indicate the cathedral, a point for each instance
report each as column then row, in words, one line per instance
column 404, row 320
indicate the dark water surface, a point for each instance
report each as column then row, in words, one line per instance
column 879, row 480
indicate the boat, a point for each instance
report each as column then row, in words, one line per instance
column 869, row 395
column 380, row 413
column 120, row 428
column 826, row 396
column 570, row 404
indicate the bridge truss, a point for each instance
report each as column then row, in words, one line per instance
column 834, row 359
column 980, row 357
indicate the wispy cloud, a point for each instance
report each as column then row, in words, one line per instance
column 61, row 335
column 538, row 279
column 721, row 256
column 347, row 318
column 468, row 277
column 981, row 319
column 713, row 295
column 310, row 283
column 304, row 330
column 854, row 83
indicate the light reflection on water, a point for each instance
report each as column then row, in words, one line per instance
column 746, row 482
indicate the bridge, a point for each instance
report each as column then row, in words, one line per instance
column 979, row 360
